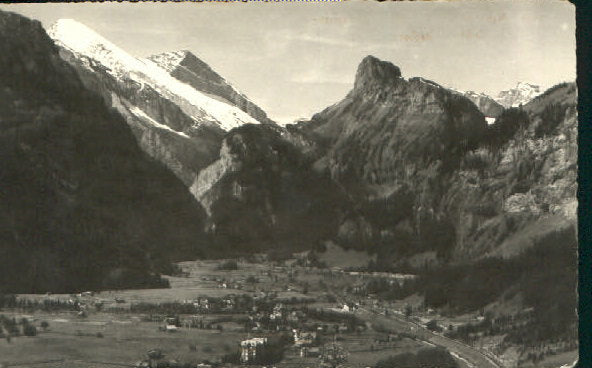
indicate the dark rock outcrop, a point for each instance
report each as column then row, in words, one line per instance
column 262, row 193
column 387, row 125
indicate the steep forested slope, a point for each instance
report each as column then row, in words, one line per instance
column 82, row 205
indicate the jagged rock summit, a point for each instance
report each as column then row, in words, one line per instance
column 387, row 122
column 374, row 70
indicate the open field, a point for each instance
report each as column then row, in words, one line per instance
column 114, row 335
column 203, row 279
column 125, row 339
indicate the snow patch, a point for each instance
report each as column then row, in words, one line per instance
column 141, row 114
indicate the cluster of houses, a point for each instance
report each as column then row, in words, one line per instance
column 279, row 318
column 306, row 344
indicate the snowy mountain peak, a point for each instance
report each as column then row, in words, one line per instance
column 79, row 38
column 76, row 33
column 190, row 69
column 203, row 109
column 525, row 85
column 519, row 95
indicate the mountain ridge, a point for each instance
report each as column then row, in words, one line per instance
column 80, row 39
column 418, row 181
column 173, row 122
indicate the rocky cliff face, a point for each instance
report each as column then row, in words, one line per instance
column 428, row 174
column 189, row 69
column 263, row 193
column 510, row 194
column 82, row 205
column 387, row 126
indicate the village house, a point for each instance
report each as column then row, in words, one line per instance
column 249, row 348
column 276, row 314
column 310, row 352
column 228, row 303
column 170, row 324
column 304, row 338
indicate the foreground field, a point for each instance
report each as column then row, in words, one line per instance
column 104, row 337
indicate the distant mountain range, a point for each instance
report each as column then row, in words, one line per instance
column 123, row 164
column 514, row 97
column 486, row 104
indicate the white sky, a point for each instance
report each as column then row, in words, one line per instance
column 295, row 59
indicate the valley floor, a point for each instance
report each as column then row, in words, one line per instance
column 118, row 328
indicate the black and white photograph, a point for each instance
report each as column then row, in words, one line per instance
column 323, row 184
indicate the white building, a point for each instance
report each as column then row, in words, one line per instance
column 249, row 348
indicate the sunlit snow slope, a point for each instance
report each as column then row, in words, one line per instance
column 81, row 40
